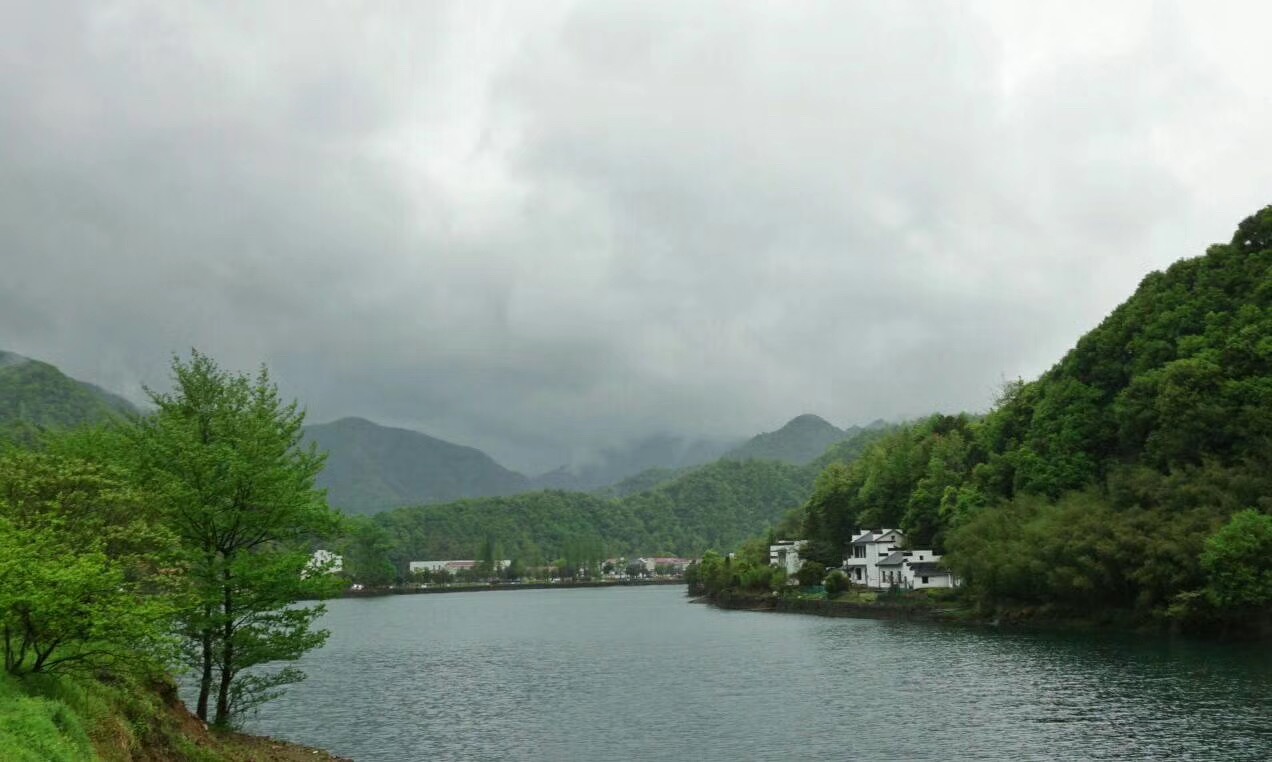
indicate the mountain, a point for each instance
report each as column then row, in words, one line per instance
column 800, row 441
column 373, row 468
column 613, row 465
column 1134, row 476
column 35, row 395
column 711, row 506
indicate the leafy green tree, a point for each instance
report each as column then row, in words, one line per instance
column 82, row 563
column 836, row 583
column 1238, row 562
column 810, row 574
column 224, row 450
column 366, row 551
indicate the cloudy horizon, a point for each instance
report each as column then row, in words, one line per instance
column 543, row 229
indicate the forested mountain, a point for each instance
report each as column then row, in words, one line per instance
column 613, row 465
column 35, row 395
column 1108, row 481
column 373, row 468
column 799, row 441
column 716, row 505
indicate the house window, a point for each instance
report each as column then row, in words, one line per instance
column 925, row 580
column 859, row 551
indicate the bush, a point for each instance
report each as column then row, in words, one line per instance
column 836, row 583
column 810, row 574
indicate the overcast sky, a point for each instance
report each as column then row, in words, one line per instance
column 546, row 227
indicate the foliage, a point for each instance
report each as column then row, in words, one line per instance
column 1238, row 562
column 1096, row 484
column 836, row 582
column 224, row 451
column 36, row 396
column 810, row 573
column 81, row 559
column 717, row 505
column 366, row 551
column 799, row 442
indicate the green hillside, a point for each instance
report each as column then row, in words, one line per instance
column 373, row 468
column 800, row 441
column 716, row 505
column 1107, row 482
column 35, row 396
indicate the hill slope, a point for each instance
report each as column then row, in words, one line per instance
column 373, row 468
column 35, row 395
column 1105, row 482
column 613, row 465
column 716, row 505
column 800, row 441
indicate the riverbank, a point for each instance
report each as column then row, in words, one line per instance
column 947, row 607
column 72, row 718
column 372, row 592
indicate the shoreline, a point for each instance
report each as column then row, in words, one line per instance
column 1013, row 620
column 380, row 592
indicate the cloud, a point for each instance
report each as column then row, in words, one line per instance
column 548, row 228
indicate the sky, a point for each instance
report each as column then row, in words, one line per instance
column 545, row 228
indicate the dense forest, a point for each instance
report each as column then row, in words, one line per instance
column 1136, row 474
column 717, row 505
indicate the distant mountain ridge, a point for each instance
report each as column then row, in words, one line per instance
column 613, row 465
column 800, row 441
column 372, row 468
column 35, row 395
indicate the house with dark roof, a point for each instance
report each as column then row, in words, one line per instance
column 877, row 559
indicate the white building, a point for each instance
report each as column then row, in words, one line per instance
column 875, row 559
column 323, row 561
column 451, row 566
column 865, row 552
column 784, row 554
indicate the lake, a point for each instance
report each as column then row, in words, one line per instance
column 641, row 674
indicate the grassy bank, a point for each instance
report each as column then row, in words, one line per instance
column 954, row 607
column 46, row 718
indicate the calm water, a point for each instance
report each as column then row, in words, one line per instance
column 640, row 674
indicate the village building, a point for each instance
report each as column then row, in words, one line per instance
column 454, row 567
column 784, row 554
column 876, row 559
column 665, row 564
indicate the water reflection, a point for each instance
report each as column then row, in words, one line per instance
column 640, row 673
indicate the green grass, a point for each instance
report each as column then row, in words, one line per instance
column 39, row 728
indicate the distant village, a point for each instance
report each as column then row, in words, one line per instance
column 875, row 559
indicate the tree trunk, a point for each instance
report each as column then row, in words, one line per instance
column 205, row 679
column 227, row 652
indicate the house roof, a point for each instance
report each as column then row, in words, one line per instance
column 928, row 568
column 865, row 538
column 894, row 559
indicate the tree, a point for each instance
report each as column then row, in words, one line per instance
column 366, row 552
column 810, row 574
column 836, row 583
column 1238, row 561
column 81, row 562
column 224, row 450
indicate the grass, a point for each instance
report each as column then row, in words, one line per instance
column 84, row 718
column 39, row 728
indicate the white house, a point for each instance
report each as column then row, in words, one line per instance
column 784, row 554
column 865, row 552
column 323, row 561
column 875, row 559
column 451, row 566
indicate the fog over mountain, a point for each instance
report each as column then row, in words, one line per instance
column 551, row 229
